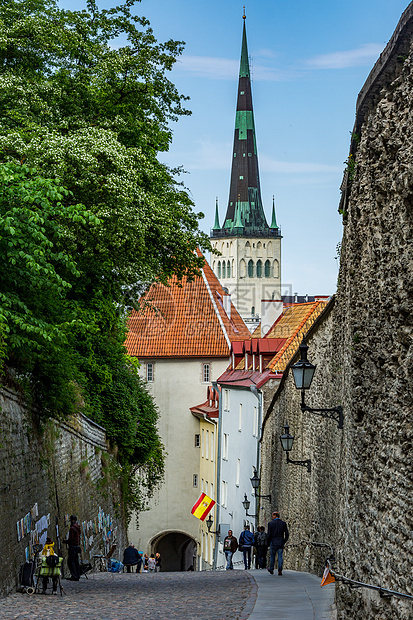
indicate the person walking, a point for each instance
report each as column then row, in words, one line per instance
column 261, row 545
column 246, row 541
column 277, row 536
column 73, row 542
column 230, row 547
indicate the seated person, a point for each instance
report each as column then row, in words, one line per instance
column 46, row 570
column 132, row 557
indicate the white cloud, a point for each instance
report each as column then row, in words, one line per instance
column 362, row 55
column 295, row 167
column 217, row 156
column 208, row 66
column 226, row 69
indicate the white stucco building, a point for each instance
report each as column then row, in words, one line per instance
column 182, row 337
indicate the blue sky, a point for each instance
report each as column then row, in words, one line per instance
column 309, row 61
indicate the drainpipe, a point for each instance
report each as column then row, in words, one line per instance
column 218, row 485
column 258, row 394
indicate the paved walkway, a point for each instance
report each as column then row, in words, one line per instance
column 294, row 596
column 212, row 595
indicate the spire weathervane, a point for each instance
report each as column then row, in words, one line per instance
column 244, row 16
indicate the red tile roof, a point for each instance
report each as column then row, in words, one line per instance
column 185, row 319
column 246, row 378
column 292, row 325
column 283, row 338
column 210, row 407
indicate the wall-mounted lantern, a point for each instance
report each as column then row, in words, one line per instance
column 303, row 372
column 287, row 441
column 255, row 483
column 246, row 505
column 209, row 523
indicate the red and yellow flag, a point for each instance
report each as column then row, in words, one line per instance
column 201, row 508
column 327, row 577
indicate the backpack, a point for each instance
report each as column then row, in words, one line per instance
column 262, row 540
column 52, row 561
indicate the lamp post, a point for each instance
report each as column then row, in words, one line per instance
column 287, row 441
column 303, row 372
column 209, row 523
column 255, row 483
column 246, row 505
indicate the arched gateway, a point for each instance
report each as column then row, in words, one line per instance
column 178, row 550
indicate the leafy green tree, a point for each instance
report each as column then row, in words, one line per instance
column 95, row 116
column 85, row 111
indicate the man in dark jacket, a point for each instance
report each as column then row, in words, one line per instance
column 230, row 547
column 73, row 542
column 131, row 558
column 277, row 536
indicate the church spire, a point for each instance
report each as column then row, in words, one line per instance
column 245, row 204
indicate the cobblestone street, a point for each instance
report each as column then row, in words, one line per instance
column 108, row 596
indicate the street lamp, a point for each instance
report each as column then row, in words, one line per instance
column 303, row 372
column 287, row 441
column 246, row 505
column 209, row 523
column 255, row 482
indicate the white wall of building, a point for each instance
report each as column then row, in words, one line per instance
column 248, row 290
column 240, row 433
column 177, row 385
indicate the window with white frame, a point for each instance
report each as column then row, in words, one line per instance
column 150, row 372
column 207, row 445
column 225, row 447
column 202, row 486
column 224, row 493
column 197, row 440
column 212, row 490
column 206, row 373
column 212, row 445
column 195, row 480
column 240, row 417
column 226, row 400
column 238, row 471
column 203, row 443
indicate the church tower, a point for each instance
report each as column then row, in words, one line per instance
column 250, row 261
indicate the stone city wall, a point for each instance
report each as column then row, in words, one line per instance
column 358, row 496
column 47, row 476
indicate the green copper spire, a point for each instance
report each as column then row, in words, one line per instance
column 244, row 67
column 245, row 212
column 273, row 218
column 216, row 225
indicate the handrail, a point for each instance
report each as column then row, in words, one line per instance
column 384, row 592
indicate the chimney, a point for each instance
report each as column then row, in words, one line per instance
column 271, row 309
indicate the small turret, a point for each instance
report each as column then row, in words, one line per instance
column 274, row 224
column 216, row 225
